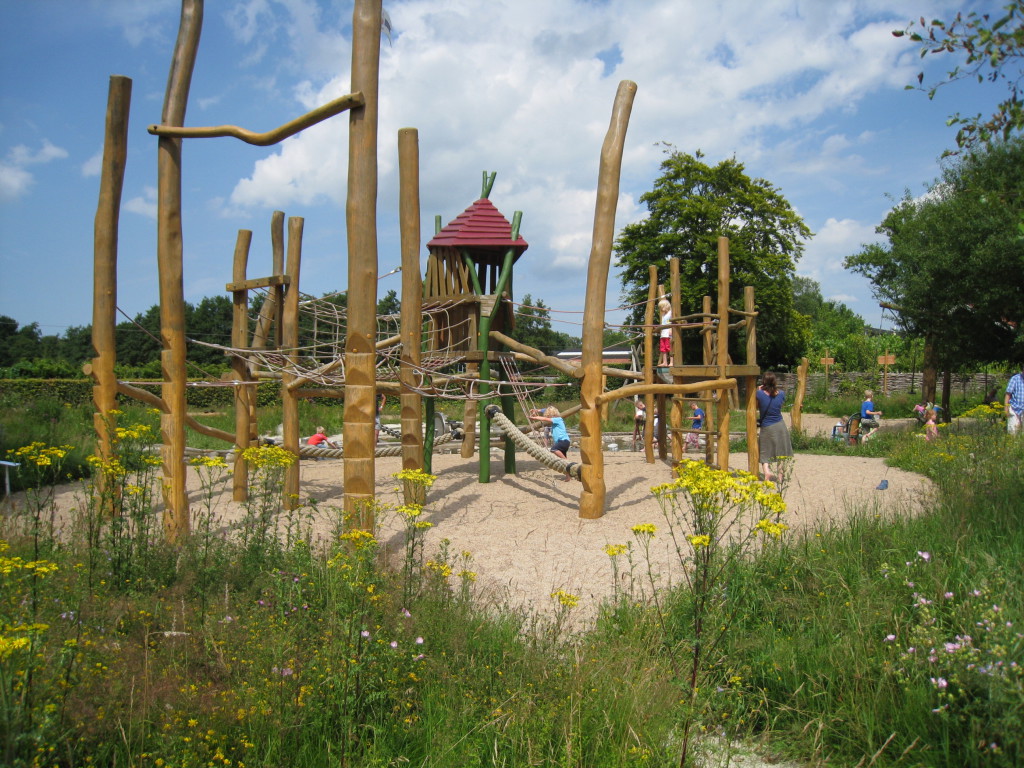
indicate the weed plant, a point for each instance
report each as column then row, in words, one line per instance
column 891, row 641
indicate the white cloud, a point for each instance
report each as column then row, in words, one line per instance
column 93, row 165
column 138, row 22
column 834, row 241
column 22, row 155
column 15, row 181
column 144, row 205
column 532, row 101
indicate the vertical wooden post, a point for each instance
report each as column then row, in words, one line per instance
column 796, row 417
column 751, row 383
column 723, row 351
column 707, row 333
column 593, row 497
column 412, row 307
column 290, row 341
column 649, row 354
column 104, row 286
column 169, row 262
column 272, row 299
column 885, row 374
column 361, row 223
column 677, row 418
column 239, row 339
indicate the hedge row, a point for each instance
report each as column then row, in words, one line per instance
column 79, row 392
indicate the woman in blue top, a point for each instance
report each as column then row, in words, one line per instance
column 773, row 443
column 559, row 434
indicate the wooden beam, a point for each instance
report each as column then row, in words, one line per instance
column 361, row 227
column 290, row 341
column 171, row 279
column 321, row 113
column 257, row 282
column 239, row 338
column 104, row 286
column 592, row 499
column 411, row 326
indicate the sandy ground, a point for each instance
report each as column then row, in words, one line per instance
column 524, row 533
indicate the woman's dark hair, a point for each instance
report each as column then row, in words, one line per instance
column 769, row 385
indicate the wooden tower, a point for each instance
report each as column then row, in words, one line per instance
column 467, row 292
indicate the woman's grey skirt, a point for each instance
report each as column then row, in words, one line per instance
column 774, row 443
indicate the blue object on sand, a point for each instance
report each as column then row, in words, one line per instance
column 882, row 485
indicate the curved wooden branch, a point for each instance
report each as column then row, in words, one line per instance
column 330, row 109
column 629, row 390
column 552, row 362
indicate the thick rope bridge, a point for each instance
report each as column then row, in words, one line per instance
column 539, row 452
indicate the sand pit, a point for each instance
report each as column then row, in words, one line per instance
column 524, row 533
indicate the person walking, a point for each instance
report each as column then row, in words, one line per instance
column 1014, row 403
column 773, row 442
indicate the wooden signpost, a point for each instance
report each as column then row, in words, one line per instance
column 827, row 361
column 885, row 361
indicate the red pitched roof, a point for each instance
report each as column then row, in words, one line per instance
column 479, row 226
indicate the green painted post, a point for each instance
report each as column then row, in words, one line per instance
column 508, row 407
column 484, row 423
column 428, row 434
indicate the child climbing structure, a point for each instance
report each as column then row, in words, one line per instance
column 460, row 314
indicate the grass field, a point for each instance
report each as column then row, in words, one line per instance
column 890, row 642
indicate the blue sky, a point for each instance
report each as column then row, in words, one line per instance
column 808, row 94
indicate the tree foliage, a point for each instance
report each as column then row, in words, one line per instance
column 953, row 260
column 990, row 50
column 533, row 328
column 691, row 206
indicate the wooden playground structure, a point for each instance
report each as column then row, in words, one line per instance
column 452, row 337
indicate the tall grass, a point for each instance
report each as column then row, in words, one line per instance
column 888, row 640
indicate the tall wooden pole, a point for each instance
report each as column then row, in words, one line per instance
column 649, row 353
column 104, row 304
column 593, row 496
column 290, row 341
column 707, row 334
column 361, row 223
column 796, row 416
column 240, row 367
column 412, row 307
column 677, row 418
column 169, row 262
column 751, row 381
column 723, row 351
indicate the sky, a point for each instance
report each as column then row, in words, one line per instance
column 807, row 94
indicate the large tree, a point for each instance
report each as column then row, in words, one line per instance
column 691, row 206
column 533, row 327
column 987, row 48
column 952, row 265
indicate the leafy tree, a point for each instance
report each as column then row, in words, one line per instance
column 953, row 262
column 18, row 343
column 991, row 50
column 210, row 322
column 834, row 328
column 691, row 206
column 389, row 304
column 533, row 328
column 138, row 340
